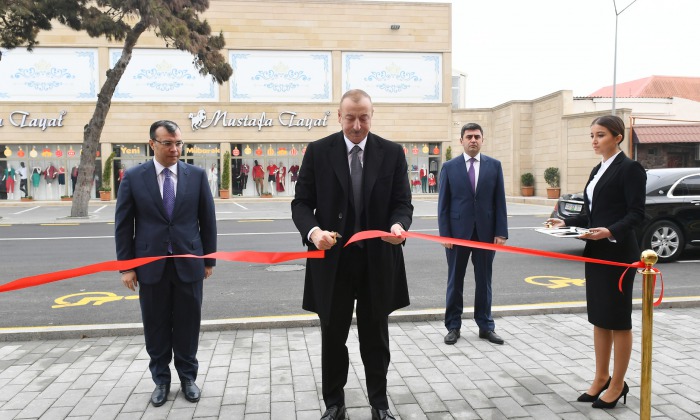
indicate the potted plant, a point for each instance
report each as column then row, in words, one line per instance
column 448, row 153
column 224, row 191
column 551, row 177
column 106, row 187
column 66, row 198
column 527, row 184
column 27, row 198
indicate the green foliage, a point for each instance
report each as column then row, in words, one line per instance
column 226, row 172
column 527, row 179
column 448, row 153
column 551, row 177
column 107, row 174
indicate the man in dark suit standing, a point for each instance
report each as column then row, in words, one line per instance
column 472, row 206
column 165, row 207
column 352, row 181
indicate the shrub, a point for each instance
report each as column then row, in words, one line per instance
column 551, row 177
column 527, row 179
column 107, row 174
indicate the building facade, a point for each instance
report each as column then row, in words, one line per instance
column 290, row 69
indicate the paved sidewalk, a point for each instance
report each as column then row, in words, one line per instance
column 274, row 373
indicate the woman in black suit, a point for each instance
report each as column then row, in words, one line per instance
column 613, row 206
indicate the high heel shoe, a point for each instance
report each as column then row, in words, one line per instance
column 586, row 397
column 602, row 404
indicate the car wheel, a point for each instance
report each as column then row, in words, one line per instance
column 666, row 239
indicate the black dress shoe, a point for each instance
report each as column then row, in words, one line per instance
column 491, row 336
column 160, row 395
column 378, row 414
column 335, row 412
column 586, row 397
column 191, row 391
column 452, row 337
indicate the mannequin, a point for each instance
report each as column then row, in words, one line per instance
column 22, row 171
column 74, row 177
column 294, row 171
column 424, row 179
column 8, row 176
column 258, row 176
column 213, row 179
column 272, row 175
column 61, row 179
column 50, row 176
column 244, row 176
column 432, row 183
column 118, row 180
column 281, row 178
column 36, row 178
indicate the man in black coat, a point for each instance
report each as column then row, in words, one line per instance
column 352, row 181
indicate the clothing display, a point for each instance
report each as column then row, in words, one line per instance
column 294, row 171
column 281, row 176
column 36, row 177
column 61, row 175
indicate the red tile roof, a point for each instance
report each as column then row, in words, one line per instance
column 666, row 133
column 654, row 87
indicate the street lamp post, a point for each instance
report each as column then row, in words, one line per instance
column 617, row 14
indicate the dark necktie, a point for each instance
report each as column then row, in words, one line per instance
column 472, row 175
column 356, row 178
column 168, row 193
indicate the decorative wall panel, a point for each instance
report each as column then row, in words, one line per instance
column 49, row 74
column 281, row 76
column 161, row 75
column 395, row 77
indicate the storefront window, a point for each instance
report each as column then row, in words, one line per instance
column 423, row 161
column 280, row 164
column 50, row 170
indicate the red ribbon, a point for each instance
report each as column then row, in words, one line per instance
column 372, row 234
column 240, row 256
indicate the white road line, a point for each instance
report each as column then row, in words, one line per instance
column 24, row 211
column 98, row 210
column 244, row 208
column 57, row 237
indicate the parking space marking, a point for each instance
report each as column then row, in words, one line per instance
column 89, row 298
column 244, row 208
column 98, row 210
column 554, row 282
column 29, row 209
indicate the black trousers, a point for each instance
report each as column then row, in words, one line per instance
column 23, row 186
column 171, row 311
column 373, row 329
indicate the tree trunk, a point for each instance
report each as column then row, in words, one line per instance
column 93, row 130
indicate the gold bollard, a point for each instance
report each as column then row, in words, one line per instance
column 649, row 258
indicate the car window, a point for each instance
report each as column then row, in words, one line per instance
column 689, row 186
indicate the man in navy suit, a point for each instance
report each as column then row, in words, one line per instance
column 472, row 206
column 165, row 207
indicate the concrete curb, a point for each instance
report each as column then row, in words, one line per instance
column 303, row 320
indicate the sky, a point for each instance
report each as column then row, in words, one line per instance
column 526, row 49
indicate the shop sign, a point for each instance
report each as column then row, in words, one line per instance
column 24, row 119
column 200, row 120
column 197, row 150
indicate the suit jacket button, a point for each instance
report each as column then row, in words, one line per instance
column 340, row 215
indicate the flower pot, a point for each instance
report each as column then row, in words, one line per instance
column 266, row 195
column 527, row 191
column 66, row 198
column 224, row 194
column 105, row 195
column 26, row 199
column 553, row 192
